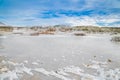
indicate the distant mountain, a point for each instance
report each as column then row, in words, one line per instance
column 2, row 24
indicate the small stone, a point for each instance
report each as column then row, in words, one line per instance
column 88, row 65
column 5, row 69
column 56, row 71
column 94, row 56
column 109, row 60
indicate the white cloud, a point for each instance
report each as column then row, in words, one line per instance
column 83, row 21
column 31, row 19
column 109, row 20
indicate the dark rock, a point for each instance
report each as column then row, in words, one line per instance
column 79, row 34
column 109, row 60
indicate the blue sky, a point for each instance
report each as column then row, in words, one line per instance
column 52, row 12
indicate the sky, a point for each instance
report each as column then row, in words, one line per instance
column 55, row 12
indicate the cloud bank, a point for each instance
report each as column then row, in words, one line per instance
column 52, row 12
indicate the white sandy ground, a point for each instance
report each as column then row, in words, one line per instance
column 19, row 69
column 97, row 69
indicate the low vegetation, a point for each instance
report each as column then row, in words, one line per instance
column 52, row 29
column 116, row 39
column 6, row 28
column 94, row 29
